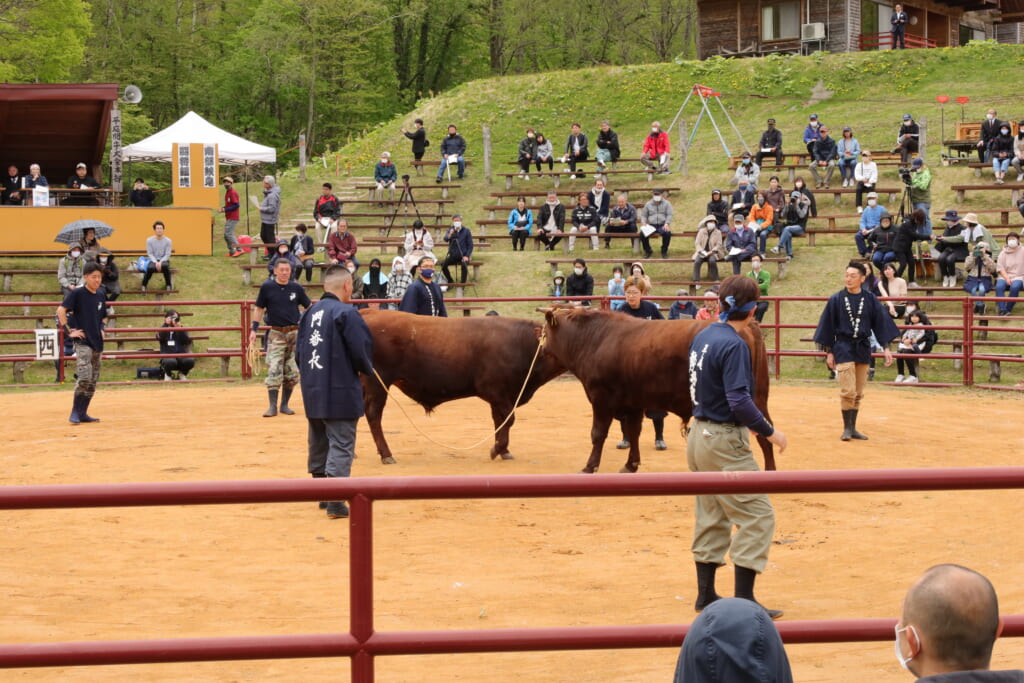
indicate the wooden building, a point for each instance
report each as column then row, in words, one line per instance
column 761, row 27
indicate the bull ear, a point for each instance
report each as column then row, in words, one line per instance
column 549, row 316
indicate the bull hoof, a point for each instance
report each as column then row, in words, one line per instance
column 507, row 456
column 387, row 461
column 627, row 470
column 587, row 470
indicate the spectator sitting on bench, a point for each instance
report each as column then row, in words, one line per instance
column 453, row 150
column 341, row 245
column 794, row 222
column 823, row 158
column 69, row 270
column 636, row 270
column 1001, row 153
column 550, row 220
column 375, row 282
column 527, row 153
column 175, row 340
column 575, row 149
column 980, row 270
column 848, row 150
column 870, row 219
column 708, row 248
column 741, row 243
column 746, row 170
column 158, row 250
column 656, row 217
column 283, row 252
column 919, row 337
column 719, row 208
column 866, row 175
column 976, row 231
column 907, row 139
column 811, row 133
column 580, row 283
column 418, row 243
column 111, row 275
column 883, row 240
column 12, row 186
column 302, row 247
column 775, row 195
column 557, row 287
column 584, row 220
column 763, row 215
column 709, row 311
column 358, row 288
column 622, row 219
column 520, row 222
column 386, row 176
column 607, row 146
column 682, row 309
column 892, row 285
column 545, row 153
column 952, row 245
column 399, row 280
column 770, row 144
column 1011, row 272
column 326, row 212
column 35, row 178
column 90, row 244
column 989, row 129
column 656, row 150
column 800, row 186
column 742, row 200
column 1018, row 152
column 600, row 200
column 921, row 193
column 460, row 248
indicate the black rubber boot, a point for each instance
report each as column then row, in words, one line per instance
column 853, row 426
column 847, row 430
column 705, row 585
column 320, row 475
column 76, row 406
column 272, row 411
column 83, row 410
column 286, row 395
column 745, row 589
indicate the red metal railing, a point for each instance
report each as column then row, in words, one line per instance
column 883, row 40
column 363, row 644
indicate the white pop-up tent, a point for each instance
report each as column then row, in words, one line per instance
column 194, row 128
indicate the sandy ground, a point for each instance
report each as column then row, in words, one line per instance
column 277, row 569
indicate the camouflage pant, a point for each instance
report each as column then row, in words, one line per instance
column 87, row 362
column 281, row 367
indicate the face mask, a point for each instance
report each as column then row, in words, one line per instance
column 872, row 202
column 282, row 252
column 103, row 259
column 657, row 199
column 384, row 161
column 760, row 201
column 896, row 646
column 746, row 162
column 578, row 271
column 558, row 282
column 552, row 202
column 755, row 266
column 1005, row 131
column 654, row 131
column 911, row 309
column 427, row 273
column 990, row 117
column 1012, row 243
column 814, row 124
column 457, row 224
column 617, row 276
column 399, row 267
column 227, row 186
column 637, row 272
column 76, row 254
column 351, row 270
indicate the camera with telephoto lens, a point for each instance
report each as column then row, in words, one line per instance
column 905, row 175
column 405, row 178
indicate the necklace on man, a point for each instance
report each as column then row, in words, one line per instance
column 854, row 319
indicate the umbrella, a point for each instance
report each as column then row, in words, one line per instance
column 74, row 231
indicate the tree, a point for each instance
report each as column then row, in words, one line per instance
column 42, row 39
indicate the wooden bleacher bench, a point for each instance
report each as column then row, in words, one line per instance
column 537, row 245
column 248, row 268
column 444, row 187
column 557, row 175
column 9, row 273
column 530, row 195
column 626, row 263
column 1014, row 188
column 493, row 208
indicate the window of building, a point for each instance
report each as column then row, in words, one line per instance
column 780, row 20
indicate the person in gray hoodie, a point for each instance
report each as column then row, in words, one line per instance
column 270, row 211
column 733, row 640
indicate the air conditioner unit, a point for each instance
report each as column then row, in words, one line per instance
column 815, row 31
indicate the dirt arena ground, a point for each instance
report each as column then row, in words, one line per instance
column 278, row 569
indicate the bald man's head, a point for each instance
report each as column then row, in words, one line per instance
column 956, row 612
column 335, row 280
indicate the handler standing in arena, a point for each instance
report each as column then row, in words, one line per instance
column 850, row 317
column 88, row 305
column 721, row 388
column 334, row 346
column 280, row 298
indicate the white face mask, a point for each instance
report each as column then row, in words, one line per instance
column 799, row 185
column 76, row 254
column 755, row 266
column 351, row 270
column 1012, row 243
column 814, row 124
column 399, row 267
column 103, row 260
column 657, row 198
column 896, row 646
column 617, row 276
column 654, row 130
column 578, row 271
column 457, row 224
column 1005, row 131
column 558, row 282
column 637, row 272
column 383, row 161
column 872, row 202
column 990, row 117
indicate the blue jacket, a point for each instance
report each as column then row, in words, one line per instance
column 461, row 243
column 514, row 217
column 871, row 217
column 811, row 133
column 743, row 239
column 453, row 145
column 334, row 345
column 385, row 173
column 824, row 149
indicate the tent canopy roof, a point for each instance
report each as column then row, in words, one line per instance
column 194, row 128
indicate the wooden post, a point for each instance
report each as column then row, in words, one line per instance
column 682, row 148
column 302, row 157
column 487, row 154
column 922, row 138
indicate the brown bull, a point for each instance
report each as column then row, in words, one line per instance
column 434, row 360
column 627, row 365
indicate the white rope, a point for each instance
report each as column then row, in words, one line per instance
column 253, row 353
column 540, row 344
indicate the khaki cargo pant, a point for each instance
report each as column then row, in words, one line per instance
column 281, row 367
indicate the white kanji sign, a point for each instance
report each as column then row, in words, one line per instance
column 46, row 345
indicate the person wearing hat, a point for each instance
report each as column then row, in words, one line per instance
column 823, row 158
column 656, row 150
column 848, row 149
column 460, row 248
column 746, row 170
column 907, row 233
column 952, row 245
column 770, row 144
column 386, row 176
column 883, row 239
column 708, row 248
column 907, row 138
column 794, row 222
column 719, row 208
column 232, row 203
column 1018, row 152
column 655, row 218
column 866, row 175
column 418, row 135
column 921, row 193
column 978, row 232
column 869, row 220
column 741, row 243
column 811, row 134
column 174, row 339
column 283, row 252
column 1001, row 152
column 81, row 181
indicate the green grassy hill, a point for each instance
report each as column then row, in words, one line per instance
column 867, row 91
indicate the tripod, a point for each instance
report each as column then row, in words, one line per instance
column 403, row 200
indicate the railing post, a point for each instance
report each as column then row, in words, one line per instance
column 778, row 338
column 360, row 571
column 968, row 336
column 243, row 322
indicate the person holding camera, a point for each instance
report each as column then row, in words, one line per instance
column 981, row 270
column 141, row 195
column 174, row 339
column 794, row 218
column 419, row 139
column 919, row 182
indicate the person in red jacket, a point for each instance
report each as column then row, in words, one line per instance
column 341, row 246
column 230, row 211
column 656, row 149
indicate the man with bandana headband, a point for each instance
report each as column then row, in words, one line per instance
column 850, row 318
column 722, row 388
